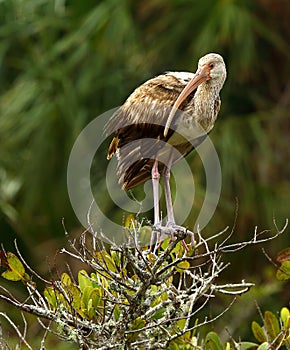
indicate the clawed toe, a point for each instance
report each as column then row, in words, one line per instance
column 171, row 229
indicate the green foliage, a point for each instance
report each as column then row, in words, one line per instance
column 87, row 296
column 15, row 269
column 283, row 273
column 48, row 95
column 275, row 333
column 64, row 62
column 128, row 297
column 113, row 294
column 139, row 298
column 212, row 342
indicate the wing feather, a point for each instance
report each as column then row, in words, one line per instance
column 138, row 127
column 150, row 103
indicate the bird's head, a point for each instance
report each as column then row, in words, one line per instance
column 212, row 71
column 211, row 67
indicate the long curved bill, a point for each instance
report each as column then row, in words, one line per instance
column 201, row 75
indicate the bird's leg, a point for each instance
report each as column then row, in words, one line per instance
column 155, row 184
column 159, row 231
column 167, row 193
column 168, row 199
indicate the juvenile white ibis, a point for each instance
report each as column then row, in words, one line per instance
column 151, row 118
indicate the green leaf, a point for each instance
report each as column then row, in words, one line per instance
column 116, row 257
column 96, row 297
column 158, row 314
column 164, row 296
column 271, row 325
column 245, row 345
column 103, row 281
column 264, row 346
column 191, row 250
column 95, row 279
column 194, row 332
column 117, row 312
column 228, row 346
column 158, row 299
column 16, row 270
column 75, row 295
column 165, row 243
column 66, row 280
column 285, row 317
column 258, row 332
column 283, row 273
column 212, row 342
column 84, row 280
column 106, row 260
column 73, row 292
column 91, row 299
column 180, row 324
column 90, row 310
column 50, row 295
column 130, row 221
column 177, row 251
column 86, row 294
column 173, row 345
column 138, row 323
column 183, row 265
column 123, row 273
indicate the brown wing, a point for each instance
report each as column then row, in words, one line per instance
column 148, row 104
column 138, row 126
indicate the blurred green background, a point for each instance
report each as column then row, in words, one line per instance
column 63, row 62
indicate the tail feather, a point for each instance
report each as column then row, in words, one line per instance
column 113, row 147
column 137, row 174
column 135, row 161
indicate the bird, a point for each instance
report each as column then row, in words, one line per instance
column 163, row 120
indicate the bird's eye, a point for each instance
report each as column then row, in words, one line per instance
column 211, row 65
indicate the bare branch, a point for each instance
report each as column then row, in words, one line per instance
column 21, row 336
column 135, row 297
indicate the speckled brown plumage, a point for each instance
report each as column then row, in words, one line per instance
column 145, row 113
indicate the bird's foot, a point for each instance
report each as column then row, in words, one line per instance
column 172, row 230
